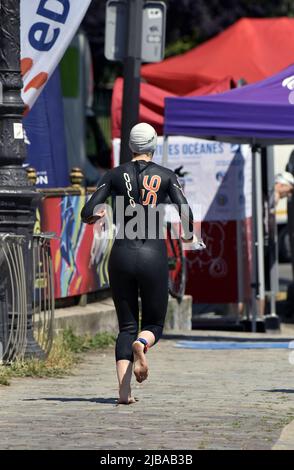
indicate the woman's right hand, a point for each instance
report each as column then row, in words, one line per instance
column 92, row 220
column 100, row 214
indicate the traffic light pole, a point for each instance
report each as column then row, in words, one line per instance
column 132, row 75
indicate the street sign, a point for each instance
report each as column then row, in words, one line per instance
column 115, row 30
column 153, row 30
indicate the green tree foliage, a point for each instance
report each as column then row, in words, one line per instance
column 189, row 23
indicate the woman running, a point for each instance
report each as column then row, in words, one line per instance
column 138, row 260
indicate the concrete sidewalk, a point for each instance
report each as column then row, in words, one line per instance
column 194, row 399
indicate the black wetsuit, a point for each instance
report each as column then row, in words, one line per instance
column 139, row 262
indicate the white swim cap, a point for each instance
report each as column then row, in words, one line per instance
column 143, row 138
column 285, row 178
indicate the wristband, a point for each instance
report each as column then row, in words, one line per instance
column 145, row 343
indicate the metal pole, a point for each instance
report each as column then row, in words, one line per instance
column 260, row 236
column 240, row 261
column 258, row 284
column 272, row 321
column 18, row 197
column 254, row 276
column 132, row 75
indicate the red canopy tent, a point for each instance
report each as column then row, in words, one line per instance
column 152, row 102
column 252, row 49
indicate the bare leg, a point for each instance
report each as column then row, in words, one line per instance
column 124, row 375
column 140, row 362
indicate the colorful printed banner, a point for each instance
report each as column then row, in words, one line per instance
column 80, row 256
column 47, row 28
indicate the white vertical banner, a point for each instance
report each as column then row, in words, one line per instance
column 217, row 175
column 47, row 28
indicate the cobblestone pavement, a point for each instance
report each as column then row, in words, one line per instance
column 239, row 399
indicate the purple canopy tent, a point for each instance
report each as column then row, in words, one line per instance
column 259, row 114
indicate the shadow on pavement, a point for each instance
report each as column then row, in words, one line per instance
column 72, row 399
column 280, row 390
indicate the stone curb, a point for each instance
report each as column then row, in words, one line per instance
column 101, row 317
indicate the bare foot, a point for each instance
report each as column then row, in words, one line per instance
column 129, row 401
column 140, row 363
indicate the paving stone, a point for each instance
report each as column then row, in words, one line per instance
column 193, row 399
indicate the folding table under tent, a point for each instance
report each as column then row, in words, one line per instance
column 259, row 114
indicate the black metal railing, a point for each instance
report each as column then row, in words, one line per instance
column 14, row 300
column 43, row 294
column 13, row 297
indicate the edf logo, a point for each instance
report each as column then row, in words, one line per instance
column 40, row 36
